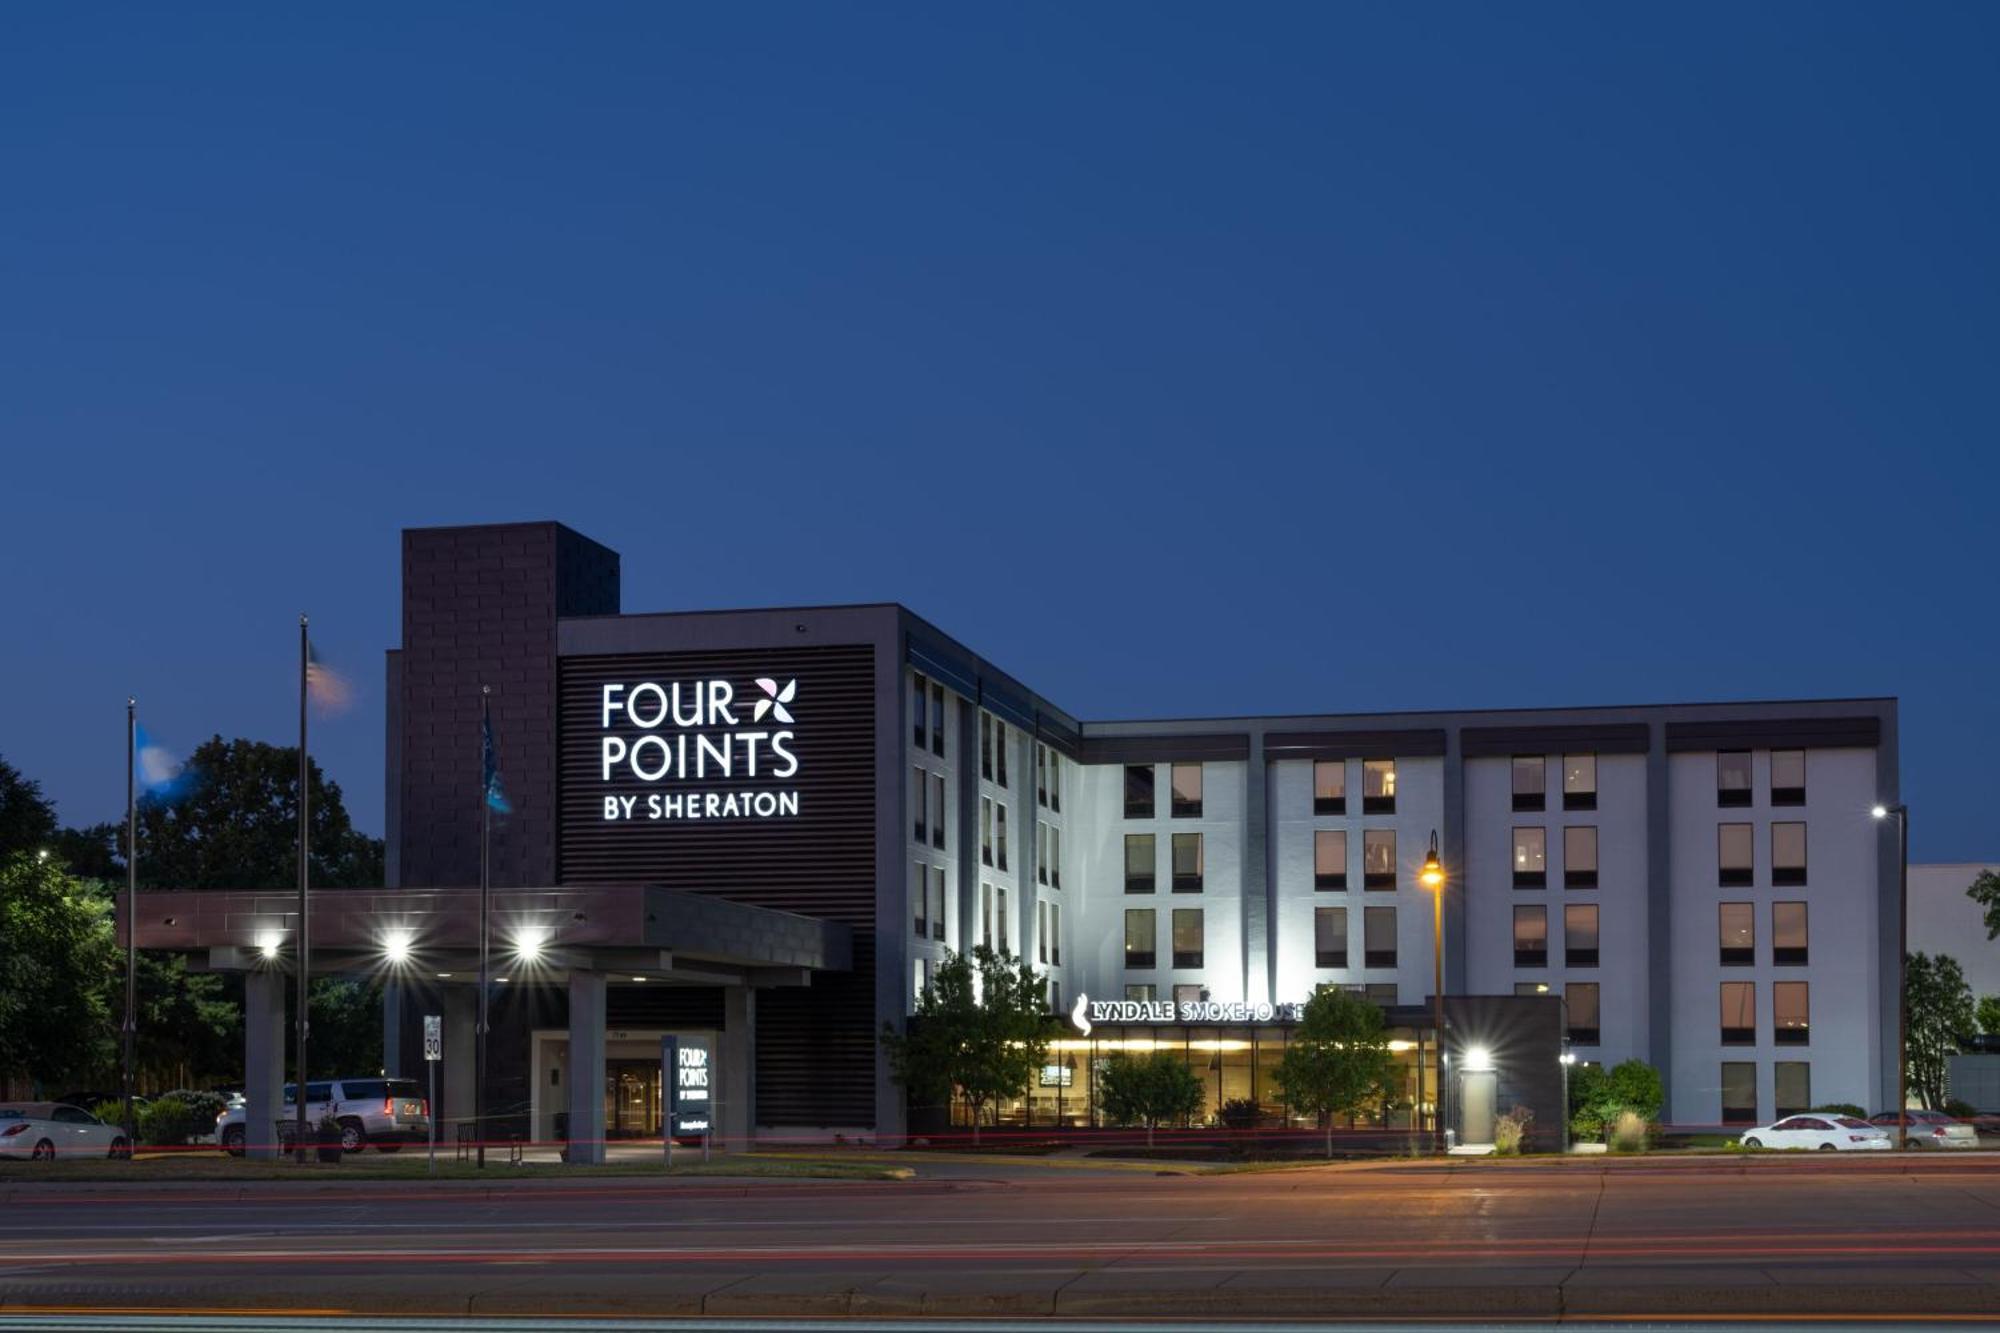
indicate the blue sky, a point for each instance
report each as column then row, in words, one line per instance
column 1184, row 359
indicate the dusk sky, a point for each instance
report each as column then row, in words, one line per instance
column 1182, row 359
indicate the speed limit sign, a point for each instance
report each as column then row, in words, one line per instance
column 433, row 1036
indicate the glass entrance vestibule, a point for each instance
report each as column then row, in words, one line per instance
column 1237, row 1067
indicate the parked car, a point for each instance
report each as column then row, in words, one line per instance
column 44, row 1131
column 387, row 1112
column 88, row 1099
column 1930, row 1129
column 1825, row 1133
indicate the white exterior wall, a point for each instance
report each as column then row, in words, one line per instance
column 1841, row 896
column 1620, row 895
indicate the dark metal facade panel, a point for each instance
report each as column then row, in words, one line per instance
column 1414, row 744
column 1775, row 733
column 1591, row 738
column 1007, row 707
column 1057, row 735
column 944, row 666
column 1163, row 749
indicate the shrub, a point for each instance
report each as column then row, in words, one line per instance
column 1960, row 1109
column 165, row 1123
column 1628, row 1132
column 1842, row 1108
column 1511, row 1131
column 203, row 1107
column 1241, row 1113
column 111, row 1113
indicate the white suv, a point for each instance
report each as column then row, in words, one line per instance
column 387, row 1112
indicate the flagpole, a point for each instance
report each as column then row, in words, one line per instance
column 131, row 911
column 485, row 890
column 305, row 929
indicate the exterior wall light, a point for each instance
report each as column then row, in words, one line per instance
column 1478, row 1060
column 396, row 947
column 529, row 942
column 267, row 944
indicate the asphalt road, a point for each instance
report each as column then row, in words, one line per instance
column 1853, row 1236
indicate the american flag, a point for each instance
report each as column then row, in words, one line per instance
column 325, row 686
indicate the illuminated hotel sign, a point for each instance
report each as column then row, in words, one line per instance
column 689, row 1101
column 696, row 738
column 1087, row 1013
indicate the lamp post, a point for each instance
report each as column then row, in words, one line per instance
column 1902, row 814
column 1432, row 877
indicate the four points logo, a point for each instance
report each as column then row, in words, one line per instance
column 775, row 700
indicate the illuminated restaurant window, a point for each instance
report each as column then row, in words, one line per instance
column 1739, row 1092
column 1735, row 855
column 1531, row 858
column 1736, row 928
column 1739, row 1013
column 1788, row 780
column 1139, row 868
column 1732, row 777
column 1790, row 1017
column 1579, row 782
column 1788, row 934
column 1378, row 787
column 1580, row 935
column 1330, row 937
column 1330, row 786
column 1378, row 858
column 1531, row 936
column 1184, row 782
column 1187, row 928
column 1788, row 854
column 1139, row 937
column 1580, row 856
column 1330, row 858
column 1531, row 782
column 1187, row 863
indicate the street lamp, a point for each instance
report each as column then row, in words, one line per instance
column 1902, row 814
column 1432, row 877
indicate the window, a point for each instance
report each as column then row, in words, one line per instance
column 1739, row 1013
column 1531, row 858
column 1580, row 998
column 1788, row 854
column 1791, row 1021
column 1139, row 937
column 986, row 830
column 986, row 745
column 1055, row 780
column 1378, row 937
column 1579, row 782
column 1580, row 935
column 1580, row 856
column 1139, row 863
column 1329, row 937
column 1736, row 931
column 1330, row 858
column 1187, row 863
column 986, row 915
column 999, row 752
column 1735, row 857
column 919, row 696
column 937, row 811
column 1055, row 934
column 937, row 719
column 1187, row 992
column 1145, row 992
column 1739, row 1092
column 937, row 903
column 919, row 785
column 1788, row 934
column 1185, row 783
column 1041, row 852
column 1329, row 786
column 1381, row 992
column 1732, row 777
column 1531, row 782
column 921, row 976
column 1788, row 780
column 1000, row 910
column 1378, row 787
column 1041, row 775
column 1187, row 937
column 1531, row 988
column 1378, row 858
column 1000, row 833
column 1055, row 997
column 1792, row 1085
column 1138, row 791
column 1531, row 936
column 1041, row 930
column 1055, row 856
column 920, row 896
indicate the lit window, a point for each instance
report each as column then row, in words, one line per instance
column 1187, row 992
column 1531, row 936
column 1145, row 992
column 1378, row 787
column 1330, row 786
column 1187, row 937
column 1739, row 1013
column 1330, row 858
column 1579, row 782
column 1788, row 934
column 1580, row 935
column 1790, row 1019
column 1788, row 854
column 1732, row 777
column 1139, row 868
column 1185, row 780
column 1330, row 937
column 1139, row 937
column 1788, row 780
column 1580, row 856
column 1531, row 782
column 1138, row 791
column 1378, row 858
column 1736, row 928
column 1735, row 855
column 1531, row 858
column 1187, row 863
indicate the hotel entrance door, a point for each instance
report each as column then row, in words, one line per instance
column 631, row 1099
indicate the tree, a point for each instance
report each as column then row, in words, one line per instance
column 980, row 1029
column 57, row 950
column 1597, row 1098
column 238, row 826
column 1985, row 890
column 1941, row 1013
column 1149, row 1089
column 1337, row 1059
column 1636, row 1087
column 27, row 818
column 1988, row 1014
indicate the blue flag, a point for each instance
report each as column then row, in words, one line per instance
column 496, row 797
column 156, row 772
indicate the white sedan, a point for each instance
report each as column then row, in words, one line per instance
column 45, row 1131
column 1826, row 1133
